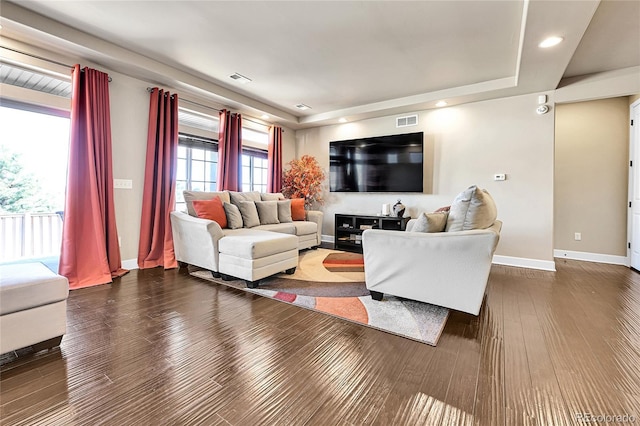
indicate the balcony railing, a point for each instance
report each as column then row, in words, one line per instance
column 29, row 235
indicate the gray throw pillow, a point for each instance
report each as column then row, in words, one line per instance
column 268, row 196
column 238, row 197
column 473, row 208
column 249, row 214
column 190, row 196
column 284, row 211
column 267, row 212
column 430, row 222
column 234, row 218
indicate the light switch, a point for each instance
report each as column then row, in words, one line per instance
column 122, row 183
column 500, row 176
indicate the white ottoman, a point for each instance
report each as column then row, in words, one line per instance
column 33, row 307
column 253, row 254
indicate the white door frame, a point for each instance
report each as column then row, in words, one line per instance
column 634, row 144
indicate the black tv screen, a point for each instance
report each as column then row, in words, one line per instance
column 378, row 164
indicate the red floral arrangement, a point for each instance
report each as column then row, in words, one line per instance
column 304, row 179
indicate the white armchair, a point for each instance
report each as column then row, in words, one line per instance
column 447, row 269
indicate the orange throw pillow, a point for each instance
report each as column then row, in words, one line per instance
column 212, row 210
column 297, row 209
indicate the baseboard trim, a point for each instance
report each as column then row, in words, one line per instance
column 591, row 257
column 328, row 239
column 130, row 264
column 523, row 262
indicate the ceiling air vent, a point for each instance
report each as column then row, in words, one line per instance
column 409, row 120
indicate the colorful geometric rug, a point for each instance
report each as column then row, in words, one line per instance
column 332, row 282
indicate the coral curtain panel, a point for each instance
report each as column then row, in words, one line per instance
column 156, row 240
column 90, row 254
column 230, row 151
column 274, row 160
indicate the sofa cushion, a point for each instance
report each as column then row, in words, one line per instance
column 234, row 218
column 254, row 244
column 237, row 197
column 189, row 196
column 249, row 213
column 283, row 228
column 29, row 285
column 473, row 208
column 284, row 211
column 212, row 210
column 275, row 196
column 305, row 227
column 430, row 222
column 297, row 209
column 267, row 212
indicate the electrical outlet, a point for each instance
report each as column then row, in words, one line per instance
column 578, row 236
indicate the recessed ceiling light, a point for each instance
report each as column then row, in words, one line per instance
column 441, row 104
column 343, row 120
column 240, row 78
column 550, row 41
column 265, row 116
column 303, row 107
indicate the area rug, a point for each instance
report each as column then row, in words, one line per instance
column 332, row 282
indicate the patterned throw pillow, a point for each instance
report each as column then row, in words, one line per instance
column 212, row 210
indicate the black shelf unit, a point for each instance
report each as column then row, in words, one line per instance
column 349, row 228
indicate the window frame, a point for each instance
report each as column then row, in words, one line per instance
column 253, row 154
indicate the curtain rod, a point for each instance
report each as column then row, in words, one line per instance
column 149, row 89
column 43, row 59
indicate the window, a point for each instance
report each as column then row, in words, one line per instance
column 34, row 147
column 254, row 170
column 197, row 166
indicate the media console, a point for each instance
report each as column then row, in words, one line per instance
column 349, row 228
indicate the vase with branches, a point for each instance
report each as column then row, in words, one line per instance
column 304, row 179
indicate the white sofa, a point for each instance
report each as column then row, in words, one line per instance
column 446, row 267
column 246, row 253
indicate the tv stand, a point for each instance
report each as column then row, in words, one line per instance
column 349, row 228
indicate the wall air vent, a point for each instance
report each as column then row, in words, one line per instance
column 409, row 120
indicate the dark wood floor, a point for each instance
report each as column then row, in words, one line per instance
column 160, row 347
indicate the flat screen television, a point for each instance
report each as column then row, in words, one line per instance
column 378, row 164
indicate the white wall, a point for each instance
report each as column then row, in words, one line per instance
column 129, row 101
column 466, row 145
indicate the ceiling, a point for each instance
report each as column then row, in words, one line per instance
column 352, row 59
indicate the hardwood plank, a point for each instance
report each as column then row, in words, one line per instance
column 162, row 347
